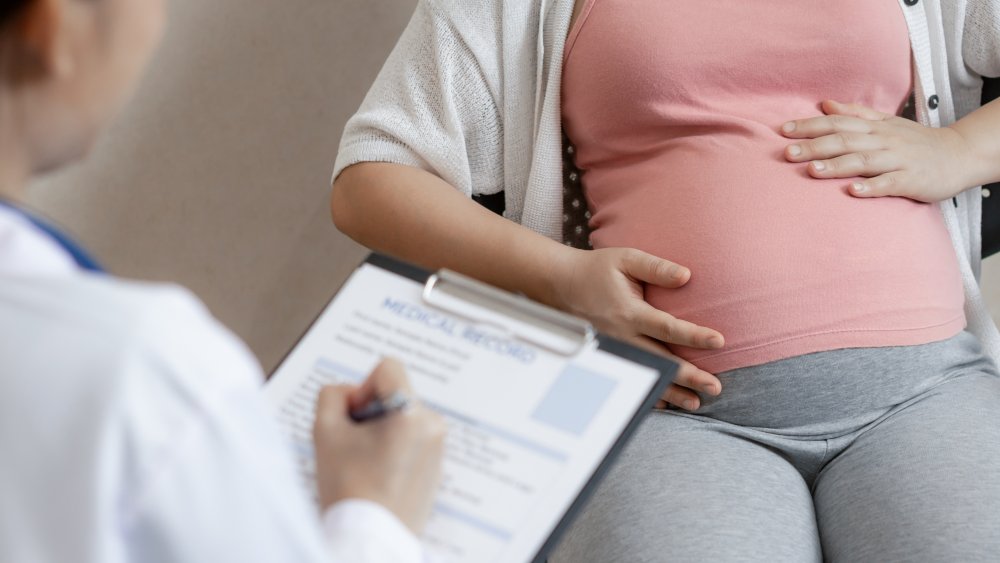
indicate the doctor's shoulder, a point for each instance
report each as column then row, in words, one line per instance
column 124, row 402
column 118, row 329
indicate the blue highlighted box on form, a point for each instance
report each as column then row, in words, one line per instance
column 574, row 399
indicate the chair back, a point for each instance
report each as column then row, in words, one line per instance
column 991, row 193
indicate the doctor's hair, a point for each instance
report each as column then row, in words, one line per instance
column 9, row 9
column 16, row 64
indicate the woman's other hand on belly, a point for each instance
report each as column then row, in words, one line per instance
column 895, row 156
column 606, row 287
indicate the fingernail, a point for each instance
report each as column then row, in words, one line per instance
column 859, row 188
column 690, row 404
column 709, row 388
column 715, row 342
column 677, row 272
column 818, row 166
column 794, row 150
column 788, row 127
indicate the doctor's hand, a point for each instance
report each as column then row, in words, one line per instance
column 893, row 155
column 606, row 287
column 394, row 460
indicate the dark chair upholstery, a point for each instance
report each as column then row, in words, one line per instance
column 991, row 198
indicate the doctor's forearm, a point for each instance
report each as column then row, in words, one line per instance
column 419, row 217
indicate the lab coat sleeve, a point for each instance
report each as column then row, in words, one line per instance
column 211, row 478
column 358, row 530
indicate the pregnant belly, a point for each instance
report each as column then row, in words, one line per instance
column 782, row 264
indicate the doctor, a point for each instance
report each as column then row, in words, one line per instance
column 132, row 427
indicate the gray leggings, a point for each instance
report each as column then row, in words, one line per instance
column 880, row 454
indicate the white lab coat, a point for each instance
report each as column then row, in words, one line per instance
column 133, row 428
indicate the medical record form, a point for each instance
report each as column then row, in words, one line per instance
column 537, row 405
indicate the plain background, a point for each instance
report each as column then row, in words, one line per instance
column 216, row 176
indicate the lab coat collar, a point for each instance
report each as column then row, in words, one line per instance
column 27, row 251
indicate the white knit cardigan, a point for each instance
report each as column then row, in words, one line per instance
column 472, row 93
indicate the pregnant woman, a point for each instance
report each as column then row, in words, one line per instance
column 839, row 386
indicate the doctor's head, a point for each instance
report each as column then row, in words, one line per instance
column 66, row 66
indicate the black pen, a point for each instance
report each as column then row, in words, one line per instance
column 381, row 407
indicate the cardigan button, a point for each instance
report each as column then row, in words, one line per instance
column 910, row 2
column 933, row 102
column 986, row 193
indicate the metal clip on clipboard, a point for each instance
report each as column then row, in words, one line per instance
column 515, row 316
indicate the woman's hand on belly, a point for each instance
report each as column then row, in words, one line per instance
column 898, row 157
column 606, row 287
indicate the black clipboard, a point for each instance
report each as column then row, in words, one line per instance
column 463, row 287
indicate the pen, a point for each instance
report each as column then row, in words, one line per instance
column 381, row 407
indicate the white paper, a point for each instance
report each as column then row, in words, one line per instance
column 527, row 427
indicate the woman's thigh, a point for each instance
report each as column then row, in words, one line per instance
column 922, row 484
column 686, row 490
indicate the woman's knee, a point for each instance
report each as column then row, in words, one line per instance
column 696, row 494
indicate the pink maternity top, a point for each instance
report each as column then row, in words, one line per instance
column 675, row 106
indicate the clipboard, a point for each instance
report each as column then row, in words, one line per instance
column 514, row 327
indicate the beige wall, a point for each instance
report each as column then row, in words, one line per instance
column 216, row 176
